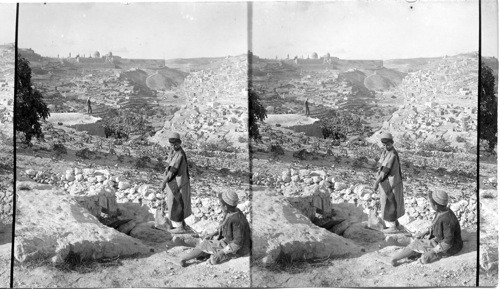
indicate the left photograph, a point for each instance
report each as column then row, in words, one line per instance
column 132, row 146
column 7, row 56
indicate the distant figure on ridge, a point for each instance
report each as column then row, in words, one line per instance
column 389, row 183
column 177, row 185
column 306, row 103
column 89, row 106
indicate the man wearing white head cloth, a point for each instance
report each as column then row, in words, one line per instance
column 177, row 185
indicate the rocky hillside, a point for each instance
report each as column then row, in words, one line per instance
column 215, row 107
column 440, row 108
column 6, row 131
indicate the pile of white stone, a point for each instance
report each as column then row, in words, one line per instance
column 92, row 187
column 100, row 191
column 309, row 190
column 206, row 208
column 6, row 201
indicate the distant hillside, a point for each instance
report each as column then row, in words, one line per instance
column 410, row 64
column 356, row 77
column 191, row 64
column 346, row 64
column 176, row 76
column 126, row 64
column 384, row 79
column 30, row 55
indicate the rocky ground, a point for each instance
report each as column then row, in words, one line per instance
column 6, row 160
column 319, row 191
column 488, row 195
column 316, row 181
column 98, row 192
column 85, row 180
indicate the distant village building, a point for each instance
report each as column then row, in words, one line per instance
column 96, row 54
column 314, row 55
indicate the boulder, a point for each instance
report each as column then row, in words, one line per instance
column 349, row 212
column 286, row 176
column 304, row 172
column 309, row 200
column 88, row 172
column 143, row 189
column 283, row 230
column 455, row 207
column 419, row 225
column 63, row 226
column 127, row 227
column 31, row 173
column 340, row 228
column 401, row 240
column 123, row 185
column 338, row 186
column 205, row 227
column 135, row 211
column 488, row 258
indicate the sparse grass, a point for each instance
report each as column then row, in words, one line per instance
column 74, row 262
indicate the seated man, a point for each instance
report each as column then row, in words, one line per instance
column 232, row 238
column 443, row 237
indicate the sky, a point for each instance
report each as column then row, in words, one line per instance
column 135, row 30
column 489, row 28
column 7, row 23
column 366, row 29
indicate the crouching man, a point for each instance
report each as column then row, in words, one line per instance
column 442, row 239
column 231, row 240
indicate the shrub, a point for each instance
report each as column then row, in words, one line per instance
column 84, row 153
column 30, row 108
column 488, row 107
column 142, row 162
column 59, row 149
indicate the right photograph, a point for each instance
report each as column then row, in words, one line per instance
column 488, row 131
column 364, row 140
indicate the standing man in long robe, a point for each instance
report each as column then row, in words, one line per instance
column 389, row 183
column 89, row 105
column 306, row 103
column 177, row 185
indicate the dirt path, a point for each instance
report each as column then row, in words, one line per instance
column 152, row 271
column 5, row 254
column 373, row 270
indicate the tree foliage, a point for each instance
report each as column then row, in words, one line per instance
column 339, row 125
column 488, row 107
column 257, row 113
column 30, row 107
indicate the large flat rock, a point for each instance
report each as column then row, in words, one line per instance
column 72, row 118
column 50, row 224
column 279, row 229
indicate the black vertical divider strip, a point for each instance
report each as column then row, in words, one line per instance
column 478, row 148
column 14, row 199
column 249, row 87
